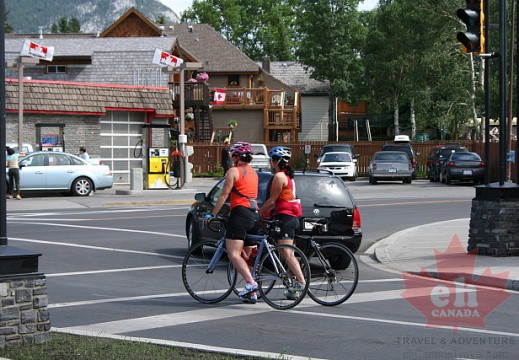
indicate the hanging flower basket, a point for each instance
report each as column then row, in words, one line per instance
column 232, row 124
column 202, row 77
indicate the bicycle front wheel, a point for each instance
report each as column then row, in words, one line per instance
column 276, row 276
column 208, row 287
column 335, row 274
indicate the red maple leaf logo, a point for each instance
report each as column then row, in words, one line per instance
column 457, row 297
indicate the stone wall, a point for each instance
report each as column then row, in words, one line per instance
column 494, row 227
column 79, row 130
column 24, row 317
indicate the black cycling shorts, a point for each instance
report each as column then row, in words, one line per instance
column 289, row 226
column 242, row 221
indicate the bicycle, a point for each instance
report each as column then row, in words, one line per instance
column 209, row 276
column 334, row 271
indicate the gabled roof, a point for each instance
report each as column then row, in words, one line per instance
column 137, row 16
column 72, row 47
column 206, row 45
column 295, row 75
column 122, row 61
column 68, row 98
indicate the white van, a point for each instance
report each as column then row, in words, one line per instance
column 27, row 148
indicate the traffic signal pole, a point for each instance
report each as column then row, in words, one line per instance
column 502, row 92
column 487, row 93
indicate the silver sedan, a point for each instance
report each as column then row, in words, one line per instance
column 390, row 165
column 52, row 171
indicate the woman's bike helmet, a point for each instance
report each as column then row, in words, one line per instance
column 241, row 148
column 280, row 152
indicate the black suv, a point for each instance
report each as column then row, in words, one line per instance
column 404, row 147
column 439, row 157
column 324, row 197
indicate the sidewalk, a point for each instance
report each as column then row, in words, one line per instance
column 411, row 249
column 119, row 195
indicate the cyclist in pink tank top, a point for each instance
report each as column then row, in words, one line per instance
column 284, row 205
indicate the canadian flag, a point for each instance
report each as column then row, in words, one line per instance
column 163, row 58
column 219, row 95
column 37, row 51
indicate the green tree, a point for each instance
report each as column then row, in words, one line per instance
column 66, row 26
column 257, row 27
column 331, row 38
column 161, row 19
column 8, row 28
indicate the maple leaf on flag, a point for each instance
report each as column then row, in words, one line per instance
column 458, row 297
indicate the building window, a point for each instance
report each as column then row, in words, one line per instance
column 56, row 69
column 233, row 80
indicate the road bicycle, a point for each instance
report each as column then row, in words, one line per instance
column 209, row 276
column 334, row 271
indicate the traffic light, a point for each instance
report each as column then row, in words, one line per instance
column 473, row 39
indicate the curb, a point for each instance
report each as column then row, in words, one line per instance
column 378, row 253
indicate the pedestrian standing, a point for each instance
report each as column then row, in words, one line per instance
column 226, row 157
column 11, row 161
column 83, row 153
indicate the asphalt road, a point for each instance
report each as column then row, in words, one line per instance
column 116, row 270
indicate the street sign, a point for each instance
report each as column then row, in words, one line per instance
column 308, row 149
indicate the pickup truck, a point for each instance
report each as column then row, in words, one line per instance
column 260, row 158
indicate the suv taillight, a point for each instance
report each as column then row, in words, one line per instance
column 414, row 162
column 356, row 220
column 451, row 164
column 374, row 166
column 410, row 166
column 482, row 164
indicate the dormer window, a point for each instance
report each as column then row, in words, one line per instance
column 56, row 69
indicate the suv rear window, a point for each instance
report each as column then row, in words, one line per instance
column 322, row 190
column 402, row 147
column 465, row 157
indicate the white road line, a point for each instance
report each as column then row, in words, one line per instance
column 198, row 347
column 96, row 248
column 120, row 299
column 86, row 212
column 209, row 314
column 113, row 270
column 404, row 323
column 109, row 229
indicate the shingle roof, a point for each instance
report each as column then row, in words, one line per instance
column 87, row 46
column 48, row 96
column 295, row 75
column 210, row 48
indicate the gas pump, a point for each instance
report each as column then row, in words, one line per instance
column 157, row 148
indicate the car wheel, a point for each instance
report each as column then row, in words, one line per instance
column 408, row 180
column 193, row 237
column 354, row 177
column 447, row 179
column 339, row 262
column 82, row 187
column 372, row 180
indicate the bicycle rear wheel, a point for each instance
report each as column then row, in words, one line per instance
column 274, row 284
column 208, row 288
column 333, row 282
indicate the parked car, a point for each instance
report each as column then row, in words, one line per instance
column 407, row 148
column 338, row 148
column 463, row 166
column 260, row 158
column 390, row 165
column 52, row 171
column 340, row 164
column 26, row 148
column 323, row 197
column 438, row 159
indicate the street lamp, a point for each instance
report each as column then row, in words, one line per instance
column 182, row 138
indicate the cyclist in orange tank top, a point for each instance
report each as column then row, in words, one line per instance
column 282, row 202
column 241, row 182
